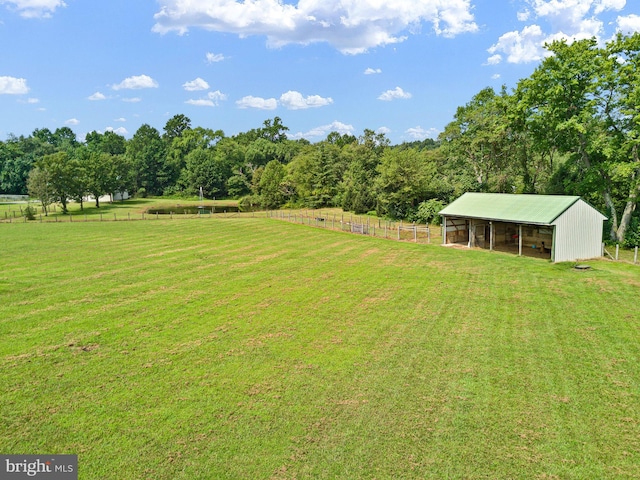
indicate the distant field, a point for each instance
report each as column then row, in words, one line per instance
column 255, row 348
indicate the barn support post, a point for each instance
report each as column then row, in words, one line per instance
column 519, row 240
column 444, row 230
column 490, row 236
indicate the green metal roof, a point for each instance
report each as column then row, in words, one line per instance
column 531, row 209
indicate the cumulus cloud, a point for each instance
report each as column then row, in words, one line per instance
column 419, row 133
column 72, row 121
column 136, row 82
column 324, row 130
column 13, row 86
column 520, row 47
column 214, row 57
column 494, row 59
column 296, row 101
column 121, row 119
column 132, row 100
column 351, row 27
column 212, row 99
column 629, row 24
column 257, row 102
column 96, row 97
column 568, row 20
column 120, row 130
column 372, row 71
column 34, row 8
column 196, row 85
column 395, row 94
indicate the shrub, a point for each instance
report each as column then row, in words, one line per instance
column 632, row 236
column 428, row 211
column 29, row 212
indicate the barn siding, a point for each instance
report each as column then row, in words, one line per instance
column 578, row 233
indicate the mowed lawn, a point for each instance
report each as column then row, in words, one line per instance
column 255, row 348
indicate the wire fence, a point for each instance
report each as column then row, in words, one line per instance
column 361, row 225
column 331, row 220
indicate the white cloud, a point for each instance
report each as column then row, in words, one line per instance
column 196, row 85
column 72, row 121
column 523, row 15
column 520, row 47
column 120, row 130
column 324, row 130
column 395, row 94
column 350, row 26
column 97, row 96
column 293, row 100
column 121, row 119
column 217, row 96
column 30, row 101
column 200, row 102
column 34, row 8
column 383, row 130
column 629, row 24
column 568, row 20
column 494, row 59
column 136, row 82
column 13, row 86
column 214, row 57
column 372, row 71
column 132, row 100
column 495, row 76
column 212, row 100
column 419, row 133
column 257, row 102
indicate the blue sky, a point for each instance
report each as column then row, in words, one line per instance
column 401, row 67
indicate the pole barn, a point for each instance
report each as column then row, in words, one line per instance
column 559, row 227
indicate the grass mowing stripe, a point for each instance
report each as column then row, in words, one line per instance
column 253, row 348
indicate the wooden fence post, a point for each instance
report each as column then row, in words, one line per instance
column 617, row 249
column 635, row 255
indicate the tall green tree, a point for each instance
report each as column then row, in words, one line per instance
column 65, row 176
column 270, row 185
column 404, row 181
column 39, row 186
column 147, row 153
column 582, row 100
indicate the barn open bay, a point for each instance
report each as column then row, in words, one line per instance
column 255, row 348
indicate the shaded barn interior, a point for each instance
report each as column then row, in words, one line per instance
column 536, row 240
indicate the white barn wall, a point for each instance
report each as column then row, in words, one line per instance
column 578, row 233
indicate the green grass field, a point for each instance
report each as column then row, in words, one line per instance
column 256, row 348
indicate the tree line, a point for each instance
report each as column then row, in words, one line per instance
column 572, row 127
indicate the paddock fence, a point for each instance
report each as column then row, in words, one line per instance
column 325, row 219
column 361, row 225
